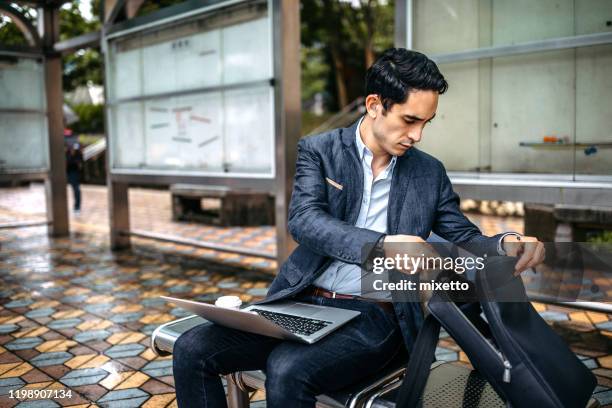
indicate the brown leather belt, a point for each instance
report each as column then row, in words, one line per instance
column 316, row 291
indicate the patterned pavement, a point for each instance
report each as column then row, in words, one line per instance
column 76, row 317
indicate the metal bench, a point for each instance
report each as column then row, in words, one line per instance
column 239, row 384
column 450, row 384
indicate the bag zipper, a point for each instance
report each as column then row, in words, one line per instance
column 507, row 368
column 506, row 377
column 535, row 372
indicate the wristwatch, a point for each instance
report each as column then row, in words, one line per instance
column 500, row 243
column 379, row 247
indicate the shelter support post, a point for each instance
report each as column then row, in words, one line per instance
column 286, row 23
column 56, row 191
column 119, row 213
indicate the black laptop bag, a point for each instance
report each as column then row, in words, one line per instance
column 513, row 348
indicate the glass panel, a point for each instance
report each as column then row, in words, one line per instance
column 202, row 66
column 185, row 133
column 453, row 136
column 21, row 85
column 127, row 77
column 593, row 113
column 23, row 145
column 249, row 130
column 520, row 21
column 546, row 112
column 183, row 63
column 246, row 52
column 159, row 63
column 593, row 16
column 532, row 103
column 446, row 26
column 168, row 62
column 127, row 128
column 219, row 132
column 518, row 114
column 213, row 132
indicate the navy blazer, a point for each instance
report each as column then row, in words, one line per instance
column 322, row 214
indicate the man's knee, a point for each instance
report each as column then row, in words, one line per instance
column 193, row 350
column 286, row 375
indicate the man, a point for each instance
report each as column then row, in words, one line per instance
column 353, row 187
column 74, row 166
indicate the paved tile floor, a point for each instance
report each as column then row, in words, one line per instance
column 76, row 316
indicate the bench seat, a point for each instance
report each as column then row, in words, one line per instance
column 450, row 384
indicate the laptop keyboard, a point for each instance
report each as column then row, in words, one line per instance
column 295, row 324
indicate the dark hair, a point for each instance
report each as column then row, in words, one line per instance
column 399, row 71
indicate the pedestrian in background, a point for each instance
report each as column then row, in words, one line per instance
column 74, row 165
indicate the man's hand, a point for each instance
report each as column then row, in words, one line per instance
column 530, row 251
column 408, row 245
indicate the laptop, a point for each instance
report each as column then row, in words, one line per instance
column 285, row 320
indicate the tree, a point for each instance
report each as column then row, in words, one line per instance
column 340, row 40
column 315, row 71
column 83, row 66
column 351, row 34
column 10, row 34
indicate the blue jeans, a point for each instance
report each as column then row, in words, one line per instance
column 295, row 373
column 74, row 179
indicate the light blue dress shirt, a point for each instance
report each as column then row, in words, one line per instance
column 342, row 277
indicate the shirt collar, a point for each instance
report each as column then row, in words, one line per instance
column 362, row 149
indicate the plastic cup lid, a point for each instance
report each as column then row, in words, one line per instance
column 228, row 301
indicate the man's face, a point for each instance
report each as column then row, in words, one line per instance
column 400, row 127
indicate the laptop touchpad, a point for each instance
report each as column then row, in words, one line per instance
column 305, row 310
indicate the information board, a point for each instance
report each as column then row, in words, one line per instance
column 195, row 96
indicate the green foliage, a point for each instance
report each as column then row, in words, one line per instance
column 91, row 118
column 349, row 35
column 88, row 139
column 315, row 71
column 10, row 34
column 605, row 237
column 82, row 66
column 340, row 39
column 72, row 22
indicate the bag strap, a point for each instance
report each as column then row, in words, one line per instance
column 474, row 388
column 417, row 370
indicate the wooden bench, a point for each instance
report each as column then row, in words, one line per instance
column 237, row 207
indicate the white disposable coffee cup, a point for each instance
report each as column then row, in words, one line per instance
column 229, row 302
